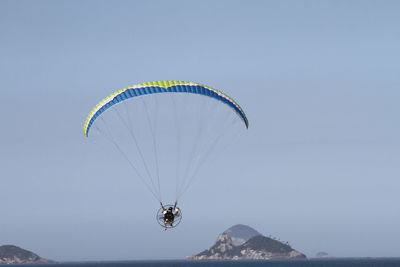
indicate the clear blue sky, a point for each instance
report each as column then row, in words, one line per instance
column 319, row 166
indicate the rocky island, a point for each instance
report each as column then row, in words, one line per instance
column 241, row 242
column 10, row 254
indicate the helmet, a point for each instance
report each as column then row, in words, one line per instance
column 170, row 208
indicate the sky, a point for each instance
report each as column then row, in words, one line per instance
column 318, row 166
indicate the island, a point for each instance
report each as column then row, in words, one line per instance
column 241, row 242
column 10, row 254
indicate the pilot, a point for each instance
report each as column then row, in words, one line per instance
column 169, row 216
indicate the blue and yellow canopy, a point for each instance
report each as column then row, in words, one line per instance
column 160, row 87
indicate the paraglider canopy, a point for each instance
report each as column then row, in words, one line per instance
column 160, row 87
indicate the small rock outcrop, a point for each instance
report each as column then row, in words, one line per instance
column 10, row 254
column 323, row 255
column 242, row 242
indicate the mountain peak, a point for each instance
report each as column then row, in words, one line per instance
column 240, row 233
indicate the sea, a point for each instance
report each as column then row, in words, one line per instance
column 353, row 262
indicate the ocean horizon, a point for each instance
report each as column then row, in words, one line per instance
column 313, row 262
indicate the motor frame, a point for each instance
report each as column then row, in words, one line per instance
column 160, row 216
